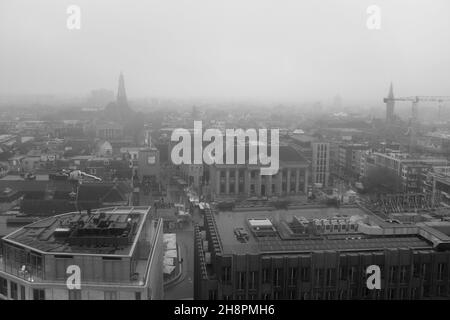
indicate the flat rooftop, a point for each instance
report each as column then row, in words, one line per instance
column 106, row 231
column 280, row 238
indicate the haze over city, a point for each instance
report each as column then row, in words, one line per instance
column 288, row 51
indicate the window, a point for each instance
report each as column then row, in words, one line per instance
column 426, row 291
column 416, row 270
column 441, row 292
column 292, row 276
column 331, row 276
column 425, row 271
column 266, row 275
column 252, row 280
column 3, row 286
column 277, row 277
column 305, row 274
column 343, row 273
column 393, row 273
column 403, row 273
column 226, row 275
column 212, row 295
column 329, row 295
column 38, row 294
column 319, row 276
column 403, row 293
column 292, row 295
column 391, row 294
column 110, row 295
column 352, row 273
column 440, row 271
column 74, row 294
column 22, row 293
column 241, row 280
column 14, row 291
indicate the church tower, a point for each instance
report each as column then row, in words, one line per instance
column 122, row 101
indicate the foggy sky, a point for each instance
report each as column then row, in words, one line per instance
column 263, row 49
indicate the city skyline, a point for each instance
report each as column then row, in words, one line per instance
column 253, row 51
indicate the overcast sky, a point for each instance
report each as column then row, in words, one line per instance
column 262, row 49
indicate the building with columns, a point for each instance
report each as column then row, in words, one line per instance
column 241, row 181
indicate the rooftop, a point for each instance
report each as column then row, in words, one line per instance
column 106, row 231
column 315, row 229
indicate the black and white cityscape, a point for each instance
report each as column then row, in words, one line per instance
column 224, row 150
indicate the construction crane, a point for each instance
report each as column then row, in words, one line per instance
column 414, row 123
column 415, row 101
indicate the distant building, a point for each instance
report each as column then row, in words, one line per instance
column 437, row 183
column 435, row 142
column 349, row 164
column 149, row 164
column 411, row 170
column 119, row 252
column 317, row 151
column 318, row 253
column 232, row 181
column 109, row 131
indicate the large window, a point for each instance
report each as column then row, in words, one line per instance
column 14, row 291
column 3, row 286
column 22, row 293
column 38, row 294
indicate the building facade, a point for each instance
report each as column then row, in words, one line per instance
column 119, row 252
column 245, row 180
column 318, row 254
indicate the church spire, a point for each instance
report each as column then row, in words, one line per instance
column 391, row 91
column 122, row 101
column 390, row 105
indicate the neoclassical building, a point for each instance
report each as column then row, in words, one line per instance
column 245, row 181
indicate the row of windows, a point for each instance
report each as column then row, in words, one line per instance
column 255, row 174
column 14, row 289
column 396, row 274
column 352, row 293
column 39, row 294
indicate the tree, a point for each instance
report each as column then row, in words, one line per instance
column 382, row 180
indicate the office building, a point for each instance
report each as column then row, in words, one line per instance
column 318, row 253
column 119, row 252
